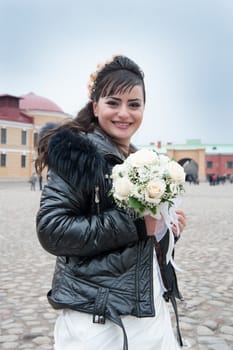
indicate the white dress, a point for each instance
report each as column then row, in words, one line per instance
column 75, row 330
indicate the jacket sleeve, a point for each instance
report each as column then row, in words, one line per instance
column 65, row 227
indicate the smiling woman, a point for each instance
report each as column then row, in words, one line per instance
column 120, row 115
column 107, row 277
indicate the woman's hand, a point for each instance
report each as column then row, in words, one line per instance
column 154, row 226
column 181, row 223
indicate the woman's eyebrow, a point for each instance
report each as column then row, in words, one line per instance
column 119, row 99
column 114, row 98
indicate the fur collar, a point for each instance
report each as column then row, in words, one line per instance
column 76, row 158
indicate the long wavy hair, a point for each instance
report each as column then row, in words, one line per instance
column 118, row 76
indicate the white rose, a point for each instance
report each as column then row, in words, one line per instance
column 122, row 188
column 142, row 157
column 176, row 171
column 155, row 191
column 119, row 170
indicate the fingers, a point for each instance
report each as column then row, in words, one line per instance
column 150, row 223
column 181, row 222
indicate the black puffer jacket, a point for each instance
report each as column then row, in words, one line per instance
column 104, row 258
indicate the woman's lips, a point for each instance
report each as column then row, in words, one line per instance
column 121, row 125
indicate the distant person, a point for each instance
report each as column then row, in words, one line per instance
column 189, row 178
column 210, row 179
column 231, row 179
column 33, row 182
column 214, row 179
column 107, row 280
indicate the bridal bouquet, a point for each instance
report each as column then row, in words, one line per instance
column 146, row 181
column 149, row 183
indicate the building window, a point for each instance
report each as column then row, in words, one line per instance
column 23, row 161
column 3, row 135
column 209, row 165
column 23, row 137
column 229, row 165
column 3, row 160
column 36, row 137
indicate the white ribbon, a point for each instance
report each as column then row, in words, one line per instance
column 171, row 218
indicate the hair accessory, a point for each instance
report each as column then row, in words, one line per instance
column 93, row 75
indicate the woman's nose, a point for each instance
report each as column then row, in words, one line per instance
column 123, row 111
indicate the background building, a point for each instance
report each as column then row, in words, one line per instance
column 200, row 161
column 21, row 119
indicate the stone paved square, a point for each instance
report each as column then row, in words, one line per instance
column 204, row 253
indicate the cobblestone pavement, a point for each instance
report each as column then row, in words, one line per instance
column 204, row 253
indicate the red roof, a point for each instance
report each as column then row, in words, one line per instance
column 9, row 110
column 32, row 101
column 17, row 117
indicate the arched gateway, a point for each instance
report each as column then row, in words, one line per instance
column 192, row 159
column 191, row 169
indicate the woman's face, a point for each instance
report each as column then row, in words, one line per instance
column 120, row 115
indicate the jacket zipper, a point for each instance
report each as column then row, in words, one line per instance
column 97, row 199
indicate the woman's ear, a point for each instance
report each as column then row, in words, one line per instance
column 95, row 108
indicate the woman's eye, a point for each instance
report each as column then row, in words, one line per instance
column 112, row 103
column 135, row 105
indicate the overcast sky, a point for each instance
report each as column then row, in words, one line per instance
column 185, row 48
